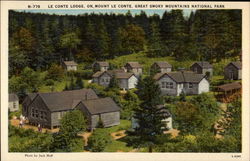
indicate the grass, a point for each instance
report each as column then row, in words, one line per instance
column 147, row 62
column 118, row 146
column 124, row 125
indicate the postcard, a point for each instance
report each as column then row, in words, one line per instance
column 125, row 80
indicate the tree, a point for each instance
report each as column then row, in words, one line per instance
column 99, row 140
column 55, row 72
column 148, row 115
column 155, row 46
column 132, row 38
column 79, row 83
column 72, row 123
column 70, row 41
column 113, row 83
column 187, row 117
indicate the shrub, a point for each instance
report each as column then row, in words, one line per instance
column 99, row 140
column 49, row 82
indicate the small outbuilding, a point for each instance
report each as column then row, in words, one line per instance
column 228, row 89
column 100, row 66
column 69, row 65
column 125, row 80
column 233, row 71
column 202, row 67
column 161, row 67
column 100, row 109
column 13, row 102
column 133, row 67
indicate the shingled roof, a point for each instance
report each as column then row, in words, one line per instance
column 118, row 73
column 134, row 64
column 229, row 86
column 102, row 63
column 100, row 105
column 237, row 64
column 163, row 64
column 204, row 64
column 59, row 101
column 29, row 98
column 182, row 77
column 13, row 97
column 70, row 63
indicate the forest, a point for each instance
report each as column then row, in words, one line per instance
column 38, row 40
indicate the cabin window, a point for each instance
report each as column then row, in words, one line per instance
column 167, row 85
column 33, row 113
column 171, row 85
column 14, row 104
column 190, row 85
column 36, row 114
column 163, row 85
column 103, row 80
column 107, row 80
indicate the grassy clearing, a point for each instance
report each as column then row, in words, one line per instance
column 147, row 62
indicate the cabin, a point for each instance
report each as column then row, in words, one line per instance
column 161, row 67
column 133, row 67
column 69, row 65
column 100, row 66
column 125, row 80
column 13, row 102
column 47, row 109
column 233, row 71
column 100, row 109
column 27, row 100
column 174, row 83
column 228, row 91
column 168, row 119
column 202, row 67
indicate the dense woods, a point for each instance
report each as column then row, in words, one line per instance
column 38, row 40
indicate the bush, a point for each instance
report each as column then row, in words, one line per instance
column 170, row 99
column 49, row 82
column 99, row 140
column 55, row 72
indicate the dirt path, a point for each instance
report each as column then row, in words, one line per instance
column 15, row 122
column 223, row 107
column 118, row 134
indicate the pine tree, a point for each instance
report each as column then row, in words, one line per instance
column 148, row 115
column 79, row 83
column 114, row 83
column 155, row 46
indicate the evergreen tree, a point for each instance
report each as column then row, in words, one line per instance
column 113, row 83
column 148, row 115
column 155, row 46
column 70, row 41
column 79, row 83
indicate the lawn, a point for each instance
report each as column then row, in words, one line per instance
column 118, row 145
column 147, row 62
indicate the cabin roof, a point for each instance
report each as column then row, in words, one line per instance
column 163, row 64
column 203, row 64
column 134, row 64
column 70, row 63
column 59, row 101
column 237, row 64
column 102, row 63
column 13, row 97
column 229, row 86
column 100, row 105
column 180, row 77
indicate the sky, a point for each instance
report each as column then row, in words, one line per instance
column 82, row 11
